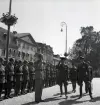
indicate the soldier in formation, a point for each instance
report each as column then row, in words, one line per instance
column 2, row 77
column 20, row 76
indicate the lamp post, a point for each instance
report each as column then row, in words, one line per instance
column 64, row 24
column 8, row 20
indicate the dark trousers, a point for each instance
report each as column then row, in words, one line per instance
column 1, row 88
column 24, row 86
column 18, row 87
column 38, row 89
column 65, row 87
column 31, row 85
column 88, row 86
column 8, row 87
column 73, row 84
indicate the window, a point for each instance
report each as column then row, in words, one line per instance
column 19, row 53
column 9, row 52
column 3, row 52
column 14, row 51
column 23, row 45
column 23, row 55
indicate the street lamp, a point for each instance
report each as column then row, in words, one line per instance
column 64, row 24
column 8, row 20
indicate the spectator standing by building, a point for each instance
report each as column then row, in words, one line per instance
column 39, row 77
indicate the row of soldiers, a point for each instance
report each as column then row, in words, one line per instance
column 20, row 76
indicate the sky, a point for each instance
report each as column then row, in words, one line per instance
column 42, row 19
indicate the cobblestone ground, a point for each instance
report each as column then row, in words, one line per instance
column 52, row 97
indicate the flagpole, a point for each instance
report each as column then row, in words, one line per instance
column 8, row 32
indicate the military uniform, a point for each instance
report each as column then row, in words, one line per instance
column 73, row 77
column 25, row 77
column 2, row 78
column 9, row 78
column 63, row 76
column 46, row 76
column 31, row 77
column 81, row 73
column 39, row 80
column 89, row 77
column 18, row 77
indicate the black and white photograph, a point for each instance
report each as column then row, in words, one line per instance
column 49, row 52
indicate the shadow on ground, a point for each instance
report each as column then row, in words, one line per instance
column 95, row 99
column 74, row 96
column 77, row 101
column 63, row 93
column 46, row 100
column 71, row 102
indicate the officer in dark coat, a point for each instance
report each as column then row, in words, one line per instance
column 73, row 76
column 9, row 77
column 89, row 79
column 18, row 77
column 31, row 77
column 25, row 77
column 2, row 76
column 82, row 72
column 46, row 75
column 63, row 76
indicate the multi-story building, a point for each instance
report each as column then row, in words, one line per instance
column 46, row 51
column 21, row 46
column 27, row 47
column 56, row 59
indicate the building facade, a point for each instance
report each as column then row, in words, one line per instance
column 22, row 46
column 56, row 59
column 46, row 51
